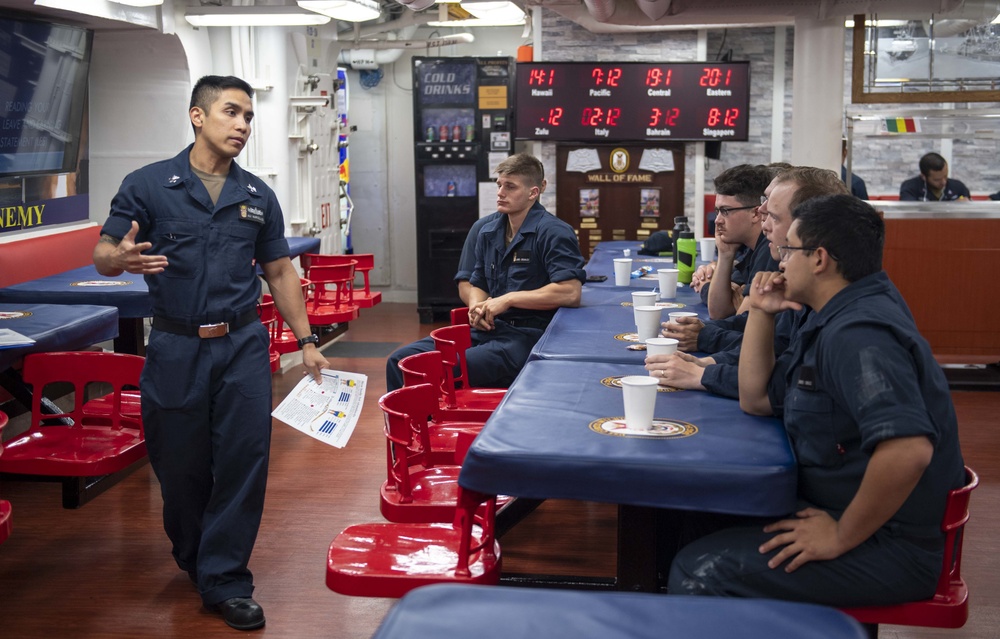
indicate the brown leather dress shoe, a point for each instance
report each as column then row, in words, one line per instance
column 242, row 613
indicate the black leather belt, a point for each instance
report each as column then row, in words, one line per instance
column 205, row 331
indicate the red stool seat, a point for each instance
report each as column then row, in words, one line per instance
column 949, row 607
column 99, row 441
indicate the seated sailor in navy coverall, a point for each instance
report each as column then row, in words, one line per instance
column 528, row 264
column 869, row 415
column 721, row 338
column 194, row 226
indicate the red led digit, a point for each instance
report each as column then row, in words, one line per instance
column 666, row 82
column 710, row 77
column 613, row 114
column 731, row 116
column 554, row 115
column 672, row 115
column 714, row 115
column 598, row 76
column 729, row 76
column 653, row 77
column 654, row 117
column 614, row 75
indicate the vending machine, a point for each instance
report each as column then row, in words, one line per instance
column 462, row 125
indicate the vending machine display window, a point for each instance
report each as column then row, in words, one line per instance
column 448, row 125
column 450, row 180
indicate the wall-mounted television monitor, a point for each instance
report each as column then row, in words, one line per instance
column 43, row 92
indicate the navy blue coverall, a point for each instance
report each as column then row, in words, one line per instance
column 206, row 402
column 858, row 373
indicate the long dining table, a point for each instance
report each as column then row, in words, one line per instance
column 559, row 434
column 484, row 612
column 602, row 328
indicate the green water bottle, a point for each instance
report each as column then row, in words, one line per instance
column 687, row 247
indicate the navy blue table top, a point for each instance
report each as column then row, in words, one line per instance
column 492, row 612
column 544, row 441
column 588, row 333
column 617, row 246
column 84, row 285
column 56, row 327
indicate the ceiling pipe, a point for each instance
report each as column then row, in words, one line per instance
column 601, row 10
column 654, row 9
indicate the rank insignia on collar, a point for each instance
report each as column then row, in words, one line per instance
column 251, row 188
column 173, row 178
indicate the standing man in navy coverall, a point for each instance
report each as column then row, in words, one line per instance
column 194, row 226
column 869, row 416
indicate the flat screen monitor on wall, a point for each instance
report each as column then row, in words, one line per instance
column 43, row 91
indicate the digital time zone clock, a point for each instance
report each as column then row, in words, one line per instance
column 619, row 101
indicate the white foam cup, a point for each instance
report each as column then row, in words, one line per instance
column 642, row 298
column 674, row 316
column 623, row 271
column 639, row 393
column 668, row 282
column 708, row 249
column 661, row 346
column 647, row 321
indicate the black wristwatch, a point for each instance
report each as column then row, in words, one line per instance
column 308, row 339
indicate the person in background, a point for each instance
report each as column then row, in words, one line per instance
column 933, row 183
column 872, row 426
column 858, row 188
column 527, row 265
column 195, row 226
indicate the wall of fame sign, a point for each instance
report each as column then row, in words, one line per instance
column 619, row 192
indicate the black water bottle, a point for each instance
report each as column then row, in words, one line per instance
column 680, row 225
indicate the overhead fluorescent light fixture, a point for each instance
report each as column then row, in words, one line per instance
column 476, row 22
column 265, row 16
column 140, row 3
column 495, row 11
column 345, row 10
column 144, row 16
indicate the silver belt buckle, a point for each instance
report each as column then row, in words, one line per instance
column 208, row 331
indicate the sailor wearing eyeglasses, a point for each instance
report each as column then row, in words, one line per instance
column 738, row 234
column 869, row 416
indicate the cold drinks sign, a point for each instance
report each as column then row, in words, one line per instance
column 611, row 101
column 447, row 83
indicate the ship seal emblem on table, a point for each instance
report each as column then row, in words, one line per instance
column 662, row 428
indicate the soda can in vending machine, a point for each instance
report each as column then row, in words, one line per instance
column 444, row 132
column 451, row 189
column 456, row 133
column 470, row 132
column 430, row 134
